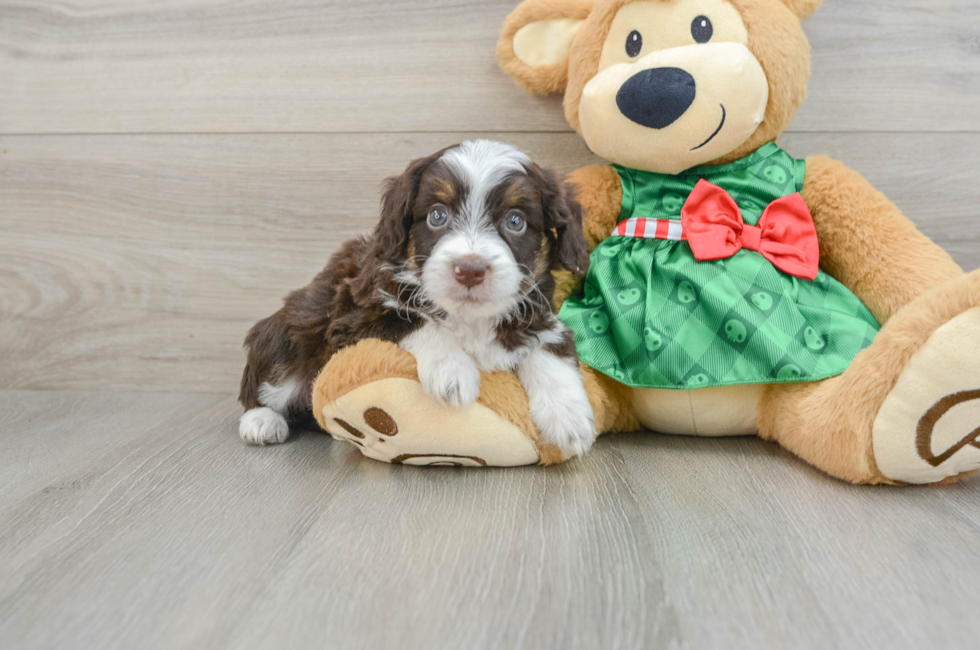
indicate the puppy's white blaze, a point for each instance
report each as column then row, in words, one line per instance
column 560, row 407
column 481, row 165
column 280, row 398
column 263, row 426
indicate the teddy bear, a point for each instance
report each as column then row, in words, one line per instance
column 733, row 289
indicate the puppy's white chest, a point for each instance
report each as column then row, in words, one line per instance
column 479, row 340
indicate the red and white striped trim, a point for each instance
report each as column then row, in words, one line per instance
column 643, row 228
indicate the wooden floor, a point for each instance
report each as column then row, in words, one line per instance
column 169, row 170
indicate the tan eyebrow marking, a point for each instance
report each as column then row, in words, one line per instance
column 515, row 194
column 444, row 191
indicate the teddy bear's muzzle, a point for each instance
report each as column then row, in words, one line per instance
column 673, row 109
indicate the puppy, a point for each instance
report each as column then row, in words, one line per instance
column 458, row 273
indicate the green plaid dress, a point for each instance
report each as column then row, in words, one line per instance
column 651, row 316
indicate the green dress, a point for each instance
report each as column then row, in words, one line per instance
column 651, row 316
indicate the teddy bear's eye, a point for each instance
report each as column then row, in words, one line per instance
column 634, row 43
column 702, row 29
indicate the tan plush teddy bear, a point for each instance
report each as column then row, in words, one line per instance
column 733, row 289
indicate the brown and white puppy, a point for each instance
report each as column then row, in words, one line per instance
column 457, row 272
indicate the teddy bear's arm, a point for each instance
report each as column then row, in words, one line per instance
column 598, row 189
column 867, row 244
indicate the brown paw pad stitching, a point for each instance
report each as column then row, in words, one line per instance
column 380, row 421
column 351, row 429
column 928, row 424
column 438, row 460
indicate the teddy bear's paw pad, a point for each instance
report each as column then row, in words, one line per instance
column 395, row 421
column 928, row 428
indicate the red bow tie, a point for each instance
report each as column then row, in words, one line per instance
column 785, row 236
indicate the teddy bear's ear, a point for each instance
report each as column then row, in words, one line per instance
column 803, row 8
column 534, row 44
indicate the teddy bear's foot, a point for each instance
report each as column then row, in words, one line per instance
column 906, row 411
column 928, row 428
column 394, row 420
column 370, row 396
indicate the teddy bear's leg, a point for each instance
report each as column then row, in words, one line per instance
column 611, row 401
column 872, row 424
column 907, row 410
column 370, row 395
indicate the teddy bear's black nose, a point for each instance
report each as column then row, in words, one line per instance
column 657, row 97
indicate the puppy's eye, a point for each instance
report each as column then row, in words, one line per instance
column 701, row 29
column 634, row 43
column 438, row 217
column 515, row 223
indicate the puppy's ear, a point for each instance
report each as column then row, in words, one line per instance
column 562, row 220
column 391, row 233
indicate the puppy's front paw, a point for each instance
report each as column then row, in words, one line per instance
column 454, row 380
column 263, row 426
column 568, row 424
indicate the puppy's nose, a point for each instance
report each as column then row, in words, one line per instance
column 470, row 270
column 656, row 98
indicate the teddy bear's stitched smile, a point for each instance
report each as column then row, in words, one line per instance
column 721, row 125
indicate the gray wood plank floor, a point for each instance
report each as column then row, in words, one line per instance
column 141, row 521
column 382, row 65
column 169, row 170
